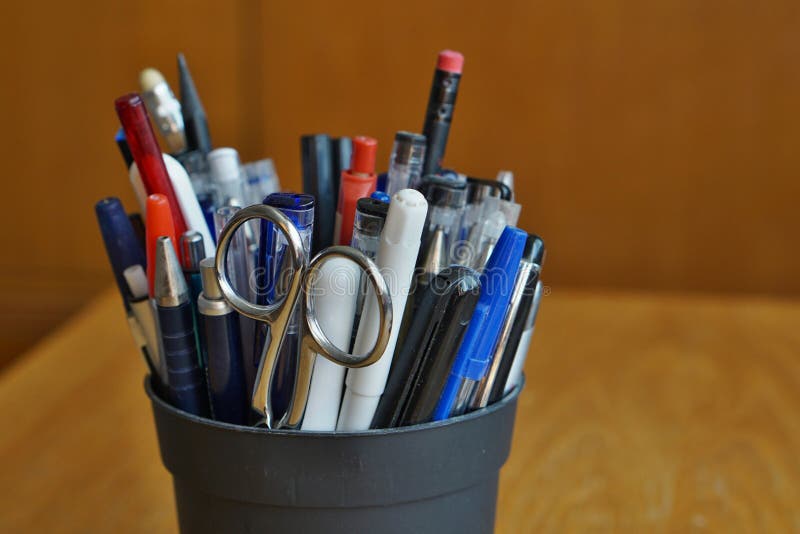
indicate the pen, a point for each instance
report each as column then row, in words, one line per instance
column 335, row 308
column 122, row 246
column 226, row 175
column 397, row 255
column 497, row 214
column 315, row 152
column 441, row 103
column 138, row 230
column 187, row 200
column 481, row 393
column 147, row 154
column 299, row 208
column 144, row 314
column 196, row 166
column 478, row 190
column 367, row 228
column 473, row 357
column 219, row 327
column 164, row 108
column 124, row 150
column 185, row 381
column 260, row 180
column 447, row 200
column 341, row 154
column 357, row 182
column 194, row 115
column 420, row 368
column 159, row 223
column 523, row 322
column 405, row 165
column 507, row 179
column 518, row 362
column 192, row 251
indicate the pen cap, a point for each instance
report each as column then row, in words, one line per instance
column 208, row 277
column 136, row 280
column 224, row 165
column 405, row 218
column 380, row 195
column 119, row 237
column 534, row 250
column 370, row 216
column 159, row 223
column 192, row 250
column 194, row 115
column 408, row 149
column 363, row 158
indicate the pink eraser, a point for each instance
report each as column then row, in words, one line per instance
column 450, row 61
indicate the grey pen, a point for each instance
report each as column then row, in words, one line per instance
column 186, row 384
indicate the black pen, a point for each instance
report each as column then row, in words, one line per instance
column 421, row 368
column 194, row 115
column 441, row 103
column 186, row 384
column 317, row 165
column 341, row 154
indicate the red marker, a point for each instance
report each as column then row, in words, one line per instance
column 147, row 155
column 159, row 222
column 357, row 182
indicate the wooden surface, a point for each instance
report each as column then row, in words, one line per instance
column 641, row 414
column 657, row 140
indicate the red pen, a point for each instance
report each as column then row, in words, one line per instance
column 159, row 222
column 358, row 181
column 147, row 155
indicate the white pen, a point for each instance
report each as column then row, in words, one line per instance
column 335, row 307
column 397, row 256
column 184, row 193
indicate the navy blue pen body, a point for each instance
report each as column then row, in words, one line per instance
column 225, row 367
column 185, row 380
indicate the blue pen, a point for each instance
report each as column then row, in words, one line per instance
column 219, row 327
column 380, row 195
column 380, row 184
column 474, row 354
column 299, row 208
column 186, row 382
column 119, row 237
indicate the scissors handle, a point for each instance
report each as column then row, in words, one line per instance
column 276, row 315
column 315, row 341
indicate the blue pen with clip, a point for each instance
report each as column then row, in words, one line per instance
column 474, row 354
column 270, row 278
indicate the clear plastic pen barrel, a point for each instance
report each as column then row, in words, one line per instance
column 405, row 165
column 272, row 283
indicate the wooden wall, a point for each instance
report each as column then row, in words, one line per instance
column 654, row 143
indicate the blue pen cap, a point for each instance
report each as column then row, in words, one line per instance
column 299, row 208
column 497, row 283
column 380, row 195
column 122, row 246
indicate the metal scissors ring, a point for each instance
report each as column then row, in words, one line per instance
column 301, row 277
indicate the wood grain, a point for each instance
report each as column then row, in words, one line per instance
column 641, row 413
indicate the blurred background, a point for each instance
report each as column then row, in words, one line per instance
column 654, row 144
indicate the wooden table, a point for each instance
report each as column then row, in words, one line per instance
column 642, row 413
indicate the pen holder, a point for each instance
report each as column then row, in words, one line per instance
column 437, row 477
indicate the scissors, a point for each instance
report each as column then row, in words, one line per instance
column 300, row 277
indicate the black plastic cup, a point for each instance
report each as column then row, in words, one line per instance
column 437, row 477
